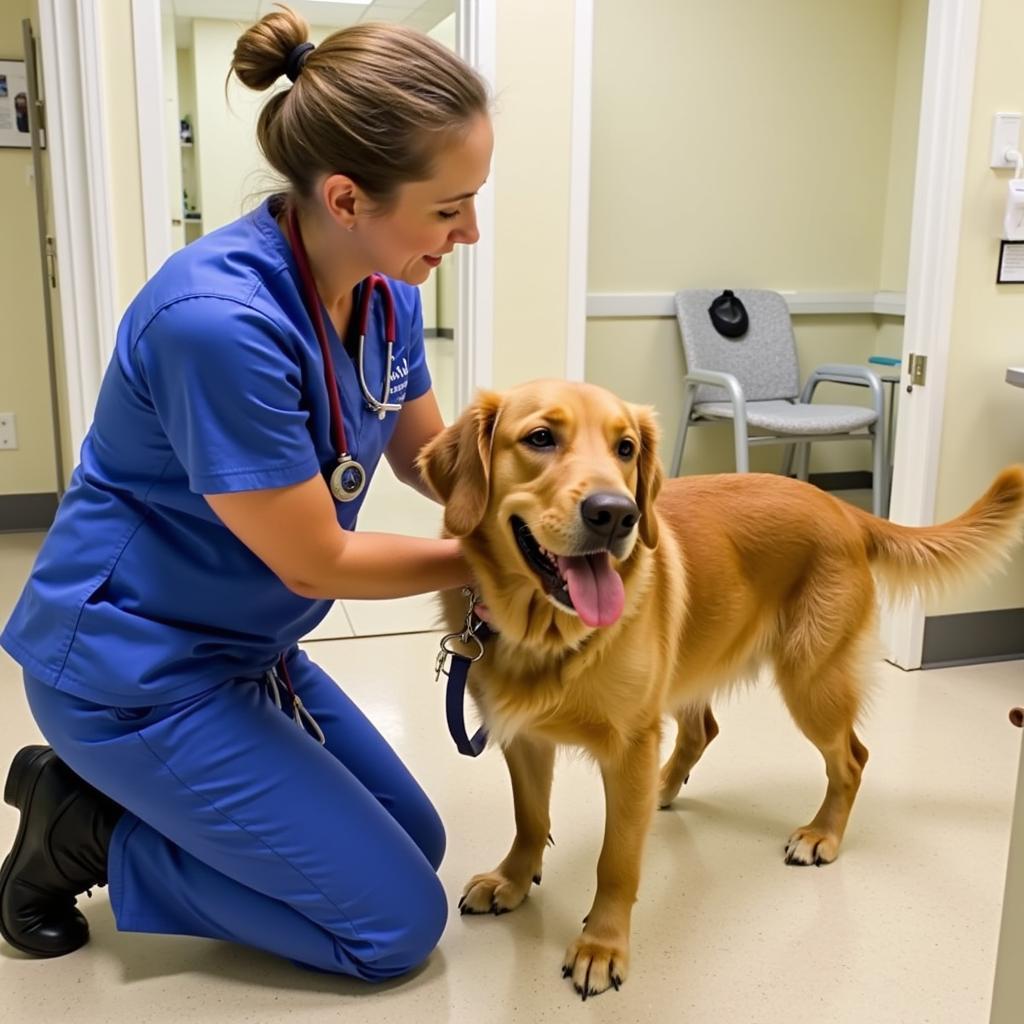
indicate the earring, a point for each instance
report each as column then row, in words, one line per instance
column 351, row 227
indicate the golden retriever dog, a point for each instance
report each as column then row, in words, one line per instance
column 617, row 600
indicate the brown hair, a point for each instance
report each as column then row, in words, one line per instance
column 376, row 102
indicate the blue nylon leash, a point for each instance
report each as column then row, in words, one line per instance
column 477, row 633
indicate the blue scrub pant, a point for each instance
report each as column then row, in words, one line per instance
column 241, row 826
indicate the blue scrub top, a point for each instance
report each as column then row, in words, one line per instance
column 140, row 595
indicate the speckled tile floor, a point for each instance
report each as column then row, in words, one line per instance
column 902, row 929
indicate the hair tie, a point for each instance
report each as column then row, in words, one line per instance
column 297, row 60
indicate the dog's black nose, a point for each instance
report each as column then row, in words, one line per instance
column 610, row 515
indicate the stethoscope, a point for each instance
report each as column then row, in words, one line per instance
column 348, row 478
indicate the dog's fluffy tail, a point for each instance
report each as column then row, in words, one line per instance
column 928, row 559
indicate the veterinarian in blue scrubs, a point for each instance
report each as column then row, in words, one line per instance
column 200, row 540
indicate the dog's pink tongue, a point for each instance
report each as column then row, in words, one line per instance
column 595, row 588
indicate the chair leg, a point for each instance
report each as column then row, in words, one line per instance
column 803, row 465
column 787, row 460
column 684, row 426
column 739, row 436
column 879, row 487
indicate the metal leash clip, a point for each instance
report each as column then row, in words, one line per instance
column 467, row 636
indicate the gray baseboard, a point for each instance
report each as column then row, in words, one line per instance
column 850, row 480
column 21, row 513
column 973, row 638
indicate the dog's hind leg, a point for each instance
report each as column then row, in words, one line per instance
column 696, row 729
column 531, row 764
column 825, row 707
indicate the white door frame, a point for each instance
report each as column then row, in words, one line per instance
column 580, row 121
column 70, row 47
column 476, row 43
column 947, row 91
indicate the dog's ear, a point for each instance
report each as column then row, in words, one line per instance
column 650, row 473
column 457, row 464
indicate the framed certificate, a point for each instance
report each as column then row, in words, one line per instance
column 14, row 123
column 1011, row 263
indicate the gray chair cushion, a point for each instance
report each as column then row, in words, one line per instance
column 783, row 418
column 764, row 360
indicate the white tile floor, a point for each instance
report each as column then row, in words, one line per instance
column 902, row 929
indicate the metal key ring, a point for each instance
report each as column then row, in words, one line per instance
column 467, row 637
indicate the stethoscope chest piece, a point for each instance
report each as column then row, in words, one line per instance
column 347, row 479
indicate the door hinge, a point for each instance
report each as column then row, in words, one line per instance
column 51, row 257
column 918, row 370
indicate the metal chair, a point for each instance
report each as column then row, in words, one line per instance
column 760, row 375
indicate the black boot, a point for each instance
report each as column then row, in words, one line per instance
column 60, row 851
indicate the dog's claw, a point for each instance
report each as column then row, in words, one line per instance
column 551, row 841
column 616, row 982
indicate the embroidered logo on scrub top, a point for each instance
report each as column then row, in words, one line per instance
column 400, row 380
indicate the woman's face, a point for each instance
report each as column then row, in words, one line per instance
column 429, row 218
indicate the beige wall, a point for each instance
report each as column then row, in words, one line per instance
column 24, row 377
column 749, row 145
column 913, row 23
column 983, row 424
column 531, row 179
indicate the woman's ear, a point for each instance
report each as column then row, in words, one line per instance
column 650, row 474
column 457, row 465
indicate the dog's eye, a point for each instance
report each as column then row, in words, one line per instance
column 540, row 438
column 626, row 448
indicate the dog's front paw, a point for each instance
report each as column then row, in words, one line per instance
column 493, row 893
column 595, row 965
column 808, row 846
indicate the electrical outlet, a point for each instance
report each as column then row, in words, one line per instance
column 1005, row 135
column 8, row 430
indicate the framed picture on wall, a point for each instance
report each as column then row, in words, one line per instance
column 1011, row 263
column 14, row 120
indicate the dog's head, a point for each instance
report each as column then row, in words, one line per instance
column 552, row 485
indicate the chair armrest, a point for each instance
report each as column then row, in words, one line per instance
column 845, row 373
column 718, row 380
column 727, row 382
